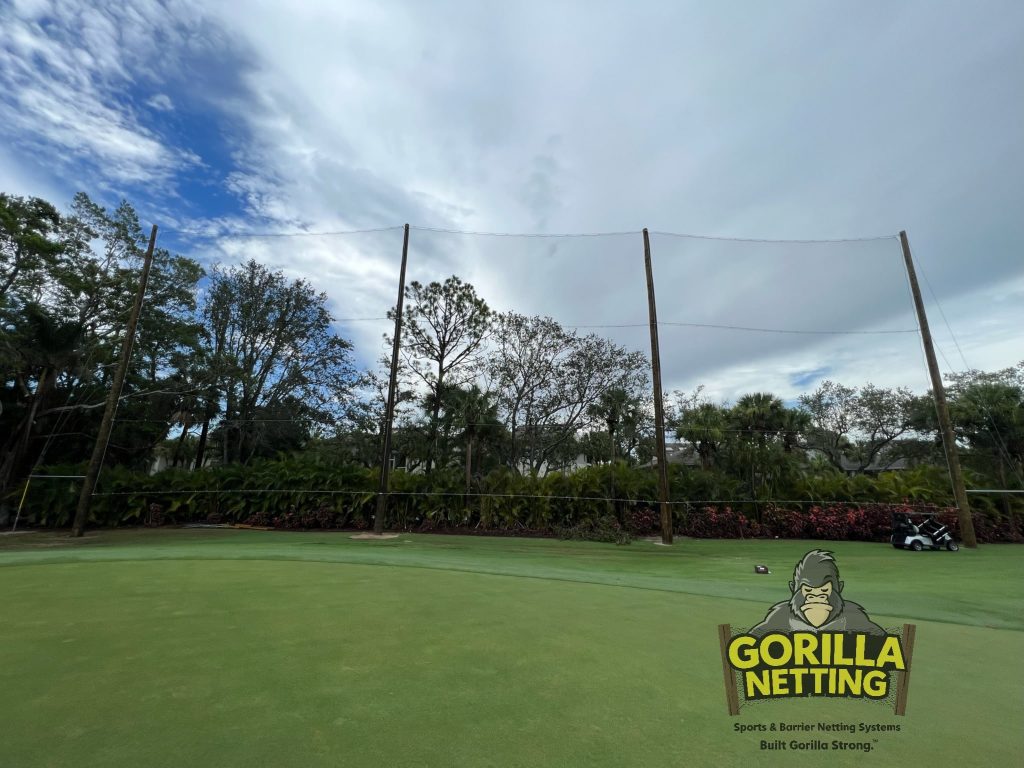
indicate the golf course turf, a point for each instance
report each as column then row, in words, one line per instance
column 212, row 647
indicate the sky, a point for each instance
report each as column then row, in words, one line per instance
column 740, row 120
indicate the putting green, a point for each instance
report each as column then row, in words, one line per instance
column 250, row 648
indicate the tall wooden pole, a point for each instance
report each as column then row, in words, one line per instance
column 99, row 450
column 659, row 403
column 945, row 425
column 389, row 413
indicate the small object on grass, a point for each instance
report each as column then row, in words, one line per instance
column 761, row 569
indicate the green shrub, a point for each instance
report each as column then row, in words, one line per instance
column 605, row 528
column 308, row 492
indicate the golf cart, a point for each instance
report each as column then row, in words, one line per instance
column 924, row 533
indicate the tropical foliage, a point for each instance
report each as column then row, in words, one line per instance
column 306, row 493
column 245, row 402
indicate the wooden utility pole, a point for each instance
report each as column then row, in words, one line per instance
column 389, row 412
column 99, row 450
column 659, row 403
column 945, row 425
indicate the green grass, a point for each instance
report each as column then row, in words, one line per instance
column 249, row 648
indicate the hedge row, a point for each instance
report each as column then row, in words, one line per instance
column 280, row 494
column 837, row 522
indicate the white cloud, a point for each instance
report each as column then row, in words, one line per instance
column 762, row 128
column 66, row 69
column 787, row 120
column 161, row 102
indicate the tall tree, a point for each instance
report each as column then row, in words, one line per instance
column 705, row 426
column 45, row 347
column 794, row 425
column 275, row 358
column 759, row 414
column 857, row 425
column 756, row 422
column 832, row 411
column 547, row 380
column 361, row 429
column 616, row 409
column 987, row 410
column 619, row 411
column 36, row 345
column 74, row 285
column 444, row 330
column 527, row 356
column 29, row 243
column 475, row 413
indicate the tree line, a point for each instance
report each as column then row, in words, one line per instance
column 238, row 363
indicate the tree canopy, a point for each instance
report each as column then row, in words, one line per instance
column 238, row 362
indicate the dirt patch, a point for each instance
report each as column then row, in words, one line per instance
column 374, row 536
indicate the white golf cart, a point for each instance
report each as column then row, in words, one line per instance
column 925, row 533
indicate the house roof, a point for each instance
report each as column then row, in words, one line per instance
column 878, row 464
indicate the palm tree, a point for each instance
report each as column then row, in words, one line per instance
column 794, row 424
column 476, row 412
column 760, row 414
column 705, row 427
column 616, row 408
column 758, row 418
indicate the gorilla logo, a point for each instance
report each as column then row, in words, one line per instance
column 816, row 604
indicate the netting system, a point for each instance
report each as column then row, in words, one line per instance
column 524, row 395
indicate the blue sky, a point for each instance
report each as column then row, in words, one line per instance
column 791, row 120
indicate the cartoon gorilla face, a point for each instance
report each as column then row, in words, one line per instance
column 816, row 589
column 817, row 603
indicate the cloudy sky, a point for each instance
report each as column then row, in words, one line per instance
column 783, row 120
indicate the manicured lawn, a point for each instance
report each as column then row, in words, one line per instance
column 250, row 648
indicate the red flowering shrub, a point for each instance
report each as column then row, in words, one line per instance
column 712, row 522
column 289, row 521
column 325, row 517
column 642, row 520
column 260, row 520
column 987, row 528
column 783, row 523
column 834, row 522
column 875, row 522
